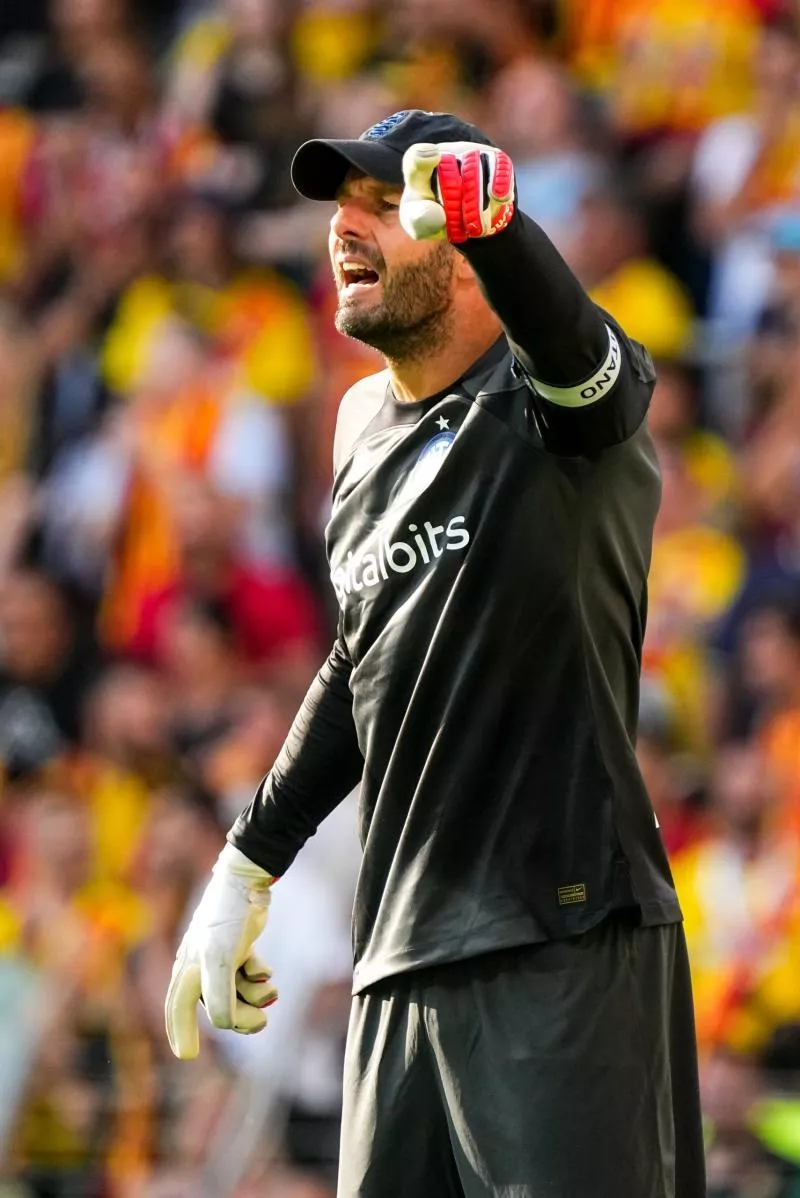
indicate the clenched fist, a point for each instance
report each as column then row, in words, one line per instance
column 456, row 190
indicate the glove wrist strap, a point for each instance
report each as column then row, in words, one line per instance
column 233, row 863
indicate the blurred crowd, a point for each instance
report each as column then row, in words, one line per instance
column 169, row 377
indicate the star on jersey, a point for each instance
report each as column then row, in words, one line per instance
column 442, row 423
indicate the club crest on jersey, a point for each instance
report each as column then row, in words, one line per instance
column 426, row 467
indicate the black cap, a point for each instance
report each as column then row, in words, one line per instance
column 320, row 166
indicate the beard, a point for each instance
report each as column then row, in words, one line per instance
column 412, row 316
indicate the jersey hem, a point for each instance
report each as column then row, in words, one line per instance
column 515, row 934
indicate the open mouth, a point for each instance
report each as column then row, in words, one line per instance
column 356, row 277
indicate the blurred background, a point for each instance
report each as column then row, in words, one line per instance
column 169, row 376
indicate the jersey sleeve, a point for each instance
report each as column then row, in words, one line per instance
column 589, row 384
column 319, row 764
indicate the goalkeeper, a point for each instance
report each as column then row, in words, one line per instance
column 522, row 1014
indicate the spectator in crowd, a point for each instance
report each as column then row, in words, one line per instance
column 664, row 67
column 273, row 616
column 770, row 671
column 127, row 755
column 185, row 416
column 609, row 253
column 698, row 565
column 535, row 116
column 442, row 52
column 705, row 458
column 45, row 674
column 746, row 165
column 18, row 379
column 233, row 73
column 738, row 1162
column 254, row 317
column 740, row 892
column 75, row 929
column 772, row 349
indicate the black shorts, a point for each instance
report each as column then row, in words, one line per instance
column 560, row 1070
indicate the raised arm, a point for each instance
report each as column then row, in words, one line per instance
column 590, row 384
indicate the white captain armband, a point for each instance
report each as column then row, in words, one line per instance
column 591, row 389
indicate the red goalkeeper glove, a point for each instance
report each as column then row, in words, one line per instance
column 456, row 190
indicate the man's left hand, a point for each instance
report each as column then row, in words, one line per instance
column 456, row 190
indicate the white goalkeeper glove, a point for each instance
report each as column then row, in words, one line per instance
column 215, row 964
column 456, row 190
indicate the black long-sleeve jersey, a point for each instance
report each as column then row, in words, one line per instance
column 489, row 550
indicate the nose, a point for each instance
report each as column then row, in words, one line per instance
column 351, row 221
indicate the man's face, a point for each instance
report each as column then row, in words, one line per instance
column 394, row 293
column 33, row 627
